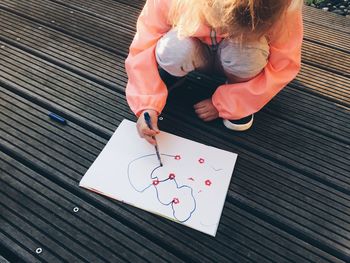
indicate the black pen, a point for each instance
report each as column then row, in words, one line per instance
column 148, row 121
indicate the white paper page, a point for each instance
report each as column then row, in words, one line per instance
column 190, row 188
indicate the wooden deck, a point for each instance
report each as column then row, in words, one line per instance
column 289, row 199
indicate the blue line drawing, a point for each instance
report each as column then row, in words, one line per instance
column 171, row 203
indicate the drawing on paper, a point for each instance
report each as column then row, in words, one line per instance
column 169, row 189
column 190, row 188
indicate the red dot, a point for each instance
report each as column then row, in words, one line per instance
column 176, row 200
column 207, row 182
column 171, row 176
column 177, row 157
column 201, row 160
column 155, row 182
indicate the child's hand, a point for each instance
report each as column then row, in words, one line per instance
column 206, row 110
column 143, row 129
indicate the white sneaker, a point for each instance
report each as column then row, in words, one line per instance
column 241, row 124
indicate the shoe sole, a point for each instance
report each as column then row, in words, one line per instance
column 238, row 127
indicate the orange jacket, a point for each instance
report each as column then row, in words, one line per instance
column 146, row 90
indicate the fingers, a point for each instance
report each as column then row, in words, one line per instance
column 208, row 116
column 150, row 139
column 206, row 110
column 147, row 134
column 144, row 130
column 154, row 121
column 205, row 113
column 201, row 110
column 202, row 104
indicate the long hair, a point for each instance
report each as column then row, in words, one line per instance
column 238, row 19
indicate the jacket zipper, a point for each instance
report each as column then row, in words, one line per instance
column 214, row 43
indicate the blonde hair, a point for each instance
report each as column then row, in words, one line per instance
column 239, row 19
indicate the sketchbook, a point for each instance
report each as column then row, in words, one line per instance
column 190, row 188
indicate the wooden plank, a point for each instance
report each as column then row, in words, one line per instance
column 95, row 63
column 327, row 37
column 12, row 250
column 327, row 58
column 135, row 3
column 76, row 102
column 3, row 260
column 305, row 80
column 333, row 37
column 11, row 232
column 310, row 14
column 51, row 82
column 299, row 107
column 270, row 236
column 326, row 19
column 105, row 9
column 55, row 147
column 315, row 154
column 243, row 183
column 56, row 163
column 295, row 105
column 309, row 56
column 236, row 238
column 286, row 140
column 108, row 69
column 81, row 55
column 104, row 236
column 329, row 85
column 80, row 25
column 48, row 238
column 244, row 194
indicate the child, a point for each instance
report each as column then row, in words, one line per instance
column 256, row 44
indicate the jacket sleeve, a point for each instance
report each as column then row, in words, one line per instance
column 145, row 89
column 235, row 101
